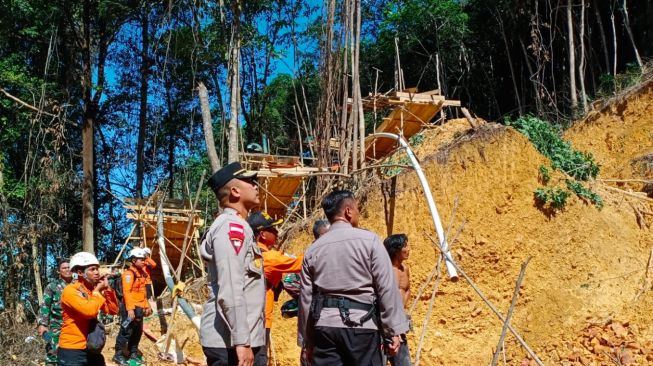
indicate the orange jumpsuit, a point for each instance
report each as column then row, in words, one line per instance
column 80, row 305
column 133, row 288
column 275, row 265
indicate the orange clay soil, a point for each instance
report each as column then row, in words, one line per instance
column 579, row 302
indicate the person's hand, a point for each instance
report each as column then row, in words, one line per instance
column 245, row 355
column 131, row 315
column 102, row 284
column 148, row 312
column 307, row 355
column 42, row 329
column 393, row 348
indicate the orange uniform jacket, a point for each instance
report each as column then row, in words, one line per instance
column 133, row 288
column 79, row 306
column 275, row 264
column 150, row 264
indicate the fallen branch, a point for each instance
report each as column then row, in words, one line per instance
column 515, row 295
column 494, row 309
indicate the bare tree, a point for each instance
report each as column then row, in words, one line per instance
column 207, row 124
column 572, row 55
column 624, row 10
column 581, row 66
column 234, row 78
column 142, row 116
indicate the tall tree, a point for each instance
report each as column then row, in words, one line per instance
column 142, row 116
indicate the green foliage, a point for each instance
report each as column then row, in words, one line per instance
column 557, row 197
column 578, row 165
column 584, row 192
column 545, row 175
column 610, row 85
column 547, row 140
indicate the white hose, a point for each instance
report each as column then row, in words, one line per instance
column 448, row 259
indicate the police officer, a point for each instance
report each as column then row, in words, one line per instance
column 232, row 330
column 50, row 317
column 349, row 296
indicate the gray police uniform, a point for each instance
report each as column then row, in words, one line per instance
column 348, row 269
column 234, row 314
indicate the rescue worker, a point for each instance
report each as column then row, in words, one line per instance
column 398, row 250
column 81, row 301
column 133, row 309
column 320, row 227
column 232, row 329
column 349, row 296
column 50, row 318
column 276, row 263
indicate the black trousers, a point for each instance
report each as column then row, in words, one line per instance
column 228, row 356
column 79, row 357
column 129, row 337
column 347, row 346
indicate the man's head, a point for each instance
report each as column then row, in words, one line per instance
column 137, row 257
column 341, row 205
column 234, row 185
column 397, row 246
column 320, row 227
column 264, row 227
column 63, row 270
column 86, row 267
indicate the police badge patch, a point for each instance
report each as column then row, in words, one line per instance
column 236, row 236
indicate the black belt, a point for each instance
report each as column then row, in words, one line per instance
column 344, row 305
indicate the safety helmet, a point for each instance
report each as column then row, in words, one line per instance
column 137, row 253
column 83, row 259
column 290, row 308
column 147, row 251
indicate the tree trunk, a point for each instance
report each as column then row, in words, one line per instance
column 207, row 125
column 88, row 123
column 581, row 66
column 142, row 126
column 234, row 72
column 604, row 41
column 624, row 10
column 359, row 99
column 35, row 263
column 614, row 46
column 572, row 55
column 510, row 64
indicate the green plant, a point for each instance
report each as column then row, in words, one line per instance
column 578, row 165
column 545, row 175
column 557, row 197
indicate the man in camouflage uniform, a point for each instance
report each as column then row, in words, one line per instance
column 50, row 316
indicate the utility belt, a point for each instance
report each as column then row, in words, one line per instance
column 343, row 304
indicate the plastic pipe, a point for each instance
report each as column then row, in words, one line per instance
column 448, row 259
column 165, row 266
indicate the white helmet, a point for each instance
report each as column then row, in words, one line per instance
column 83, row 259
column 147, row 251
column 137, row 253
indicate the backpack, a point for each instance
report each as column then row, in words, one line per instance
column 115, row 282
column 96, row 338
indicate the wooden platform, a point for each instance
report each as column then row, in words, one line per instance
column 176, row 216
column 411, row 111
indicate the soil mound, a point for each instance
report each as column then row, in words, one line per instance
column 588, row 265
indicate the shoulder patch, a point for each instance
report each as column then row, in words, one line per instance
column 236, row 236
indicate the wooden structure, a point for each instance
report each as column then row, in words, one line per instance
column 176, row 218
column 282, row 181
column 411, row 112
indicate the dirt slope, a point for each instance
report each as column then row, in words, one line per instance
column 577, row 304
column 587, row 264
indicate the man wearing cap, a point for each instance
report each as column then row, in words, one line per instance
column 276, row 263
column 232, row 329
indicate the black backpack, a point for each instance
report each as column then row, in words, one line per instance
column 115, row 282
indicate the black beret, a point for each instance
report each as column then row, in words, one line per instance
column 227, row 173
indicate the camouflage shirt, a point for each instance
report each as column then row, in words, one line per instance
column 50, row 312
